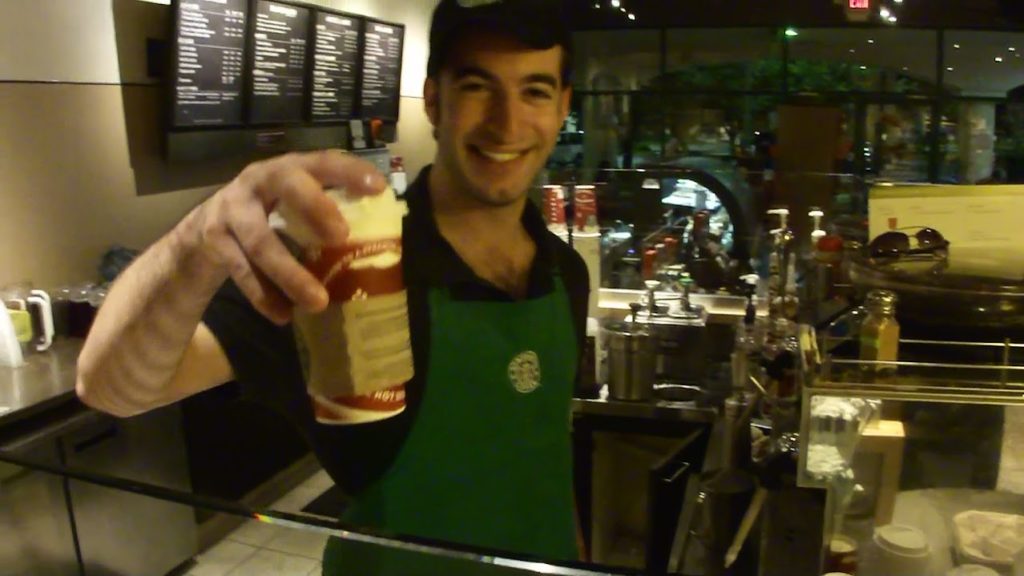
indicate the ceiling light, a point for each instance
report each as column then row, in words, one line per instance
column 898, row 1
column 863, row 67
column 892, row 19
column 597, row 5
column 615, row 3
column 905, row 68
column 853, row 51
column 623, row 9
column 632, row 16
column 871, row 41
column 999, row 58
column 884, row 12
column 949, row 68
column 792, row 33
column 957, row 46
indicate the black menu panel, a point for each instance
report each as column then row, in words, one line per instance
column 209, row 49
column 278, row 63
column 335, row 66
column 382, row 70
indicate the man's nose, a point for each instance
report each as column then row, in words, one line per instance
column 504, row 116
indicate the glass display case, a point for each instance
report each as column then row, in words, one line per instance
column 920, row 456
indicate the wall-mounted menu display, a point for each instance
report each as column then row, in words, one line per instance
column 382, row 70
column 208, row 60
column 335, row 66
column 278, row 86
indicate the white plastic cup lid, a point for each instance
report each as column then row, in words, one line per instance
column 842, row 545
column 903, row 540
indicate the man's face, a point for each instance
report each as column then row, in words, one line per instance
column 497, row 107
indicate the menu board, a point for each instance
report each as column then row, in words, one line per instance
column 382, row 70
column 209, row 49
column 278, row 85
column 335, row 66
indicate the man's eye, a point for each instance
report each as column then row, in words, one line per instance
column 472, row 87
column 539, row 93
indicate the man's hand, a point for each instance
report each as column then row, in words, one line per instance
column 148, row 346
column 232, row 229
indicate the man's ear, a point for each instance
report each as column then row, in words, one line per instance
column 432, row 100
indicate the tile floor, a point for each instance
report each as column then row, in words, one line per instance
column 258, row 549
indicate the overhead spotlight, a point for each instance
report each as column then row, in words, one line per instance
column 957, row 46
column 616, row 3
column 871, row 41
column 892, row 19
column 949, row 68
column 632, row 16
column 905, row 68
column 863, row 67
column 853, row 50
column 884, row 12
column 999, row 58
column 792, row 33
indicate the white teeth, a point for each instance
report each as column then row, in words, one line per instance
column 500, row 157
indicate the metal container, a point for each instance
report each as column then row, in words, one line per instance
column 632, row 359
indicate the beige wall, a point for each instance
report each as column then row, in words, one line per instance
column 71, row 167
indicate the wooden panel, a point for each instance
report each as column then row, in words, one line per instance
column 809, row 137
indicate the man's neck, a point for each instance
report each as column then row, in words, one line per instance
column 459, row 215
column 491, row 240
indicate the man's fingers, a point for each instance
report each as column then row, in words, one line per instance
column 268, row 255
column 337, row 169
column 298, row 193
column 268, row 301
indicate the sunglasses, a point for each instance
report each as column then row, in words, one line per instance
column 896, row 244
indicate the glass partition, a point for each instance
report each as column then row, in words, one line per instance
column 897, row 145
column 983, row 63
column 734, row 59
column 619, row 60
column 650, row 217
column 863, row 60
column 56, row 513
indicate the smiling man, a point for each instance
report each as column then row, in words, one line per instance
column 481, row 456
column 497, row 304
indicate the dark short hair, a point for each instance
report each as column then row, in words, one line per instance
column 540, row 24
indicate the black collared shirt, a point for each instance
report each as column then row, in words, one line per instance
column 266, row 363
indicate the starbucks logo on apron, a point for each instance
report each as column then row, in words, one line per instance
column 524, row 372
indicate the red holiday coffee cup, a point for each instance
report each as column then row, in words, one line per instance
column 356, row 354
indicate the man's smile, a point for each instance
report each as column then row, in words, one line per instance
column 498, row 156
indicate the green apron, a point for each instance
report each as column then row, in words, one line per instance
column 488, row 461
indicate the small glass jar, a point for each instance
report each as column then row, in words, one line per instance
column 880, row 332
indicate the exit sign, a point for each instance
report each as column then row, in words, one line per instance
column 858, row 10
